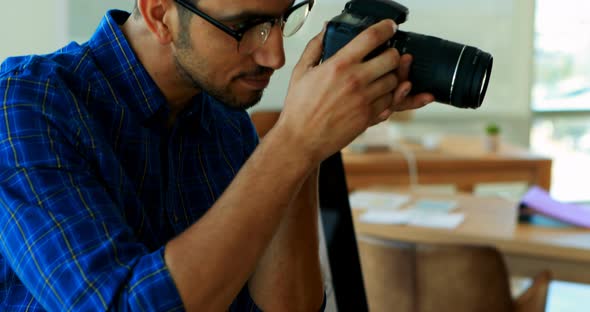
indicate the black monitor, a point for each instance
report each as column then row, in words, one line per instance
column 343, row 255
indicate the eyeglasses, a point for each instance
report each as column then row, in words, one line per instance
column 252, row 35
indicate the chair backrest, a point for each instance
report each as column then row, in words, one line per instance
column 461, row 278
column 264, row 120
column 424, row 278
column 388, row 274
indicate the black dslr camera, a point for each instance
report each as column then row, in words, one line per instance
column 454, row 73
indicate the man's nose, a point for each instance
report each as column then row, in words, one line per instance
column 272, row 53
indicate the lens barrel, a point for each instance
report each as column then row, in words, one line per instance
column 454, row 73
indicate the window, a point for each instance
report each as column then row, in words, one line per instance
column 562, row 55
column 561, row 94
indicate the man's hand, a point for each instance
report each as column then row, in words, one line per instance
column 330, row 104
column 401, row 101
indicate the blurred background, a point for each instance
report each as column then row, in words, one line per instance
column 539, row 92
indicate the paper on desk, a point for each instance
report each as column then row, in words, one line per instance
column 377, row 200
column 434, row 206
column 386, row 216
column 437, row 220
column 414, row 217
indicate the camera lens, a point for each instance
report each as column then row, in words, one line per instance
column 454, row 73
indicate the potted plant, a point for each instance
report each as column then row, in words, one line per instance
column 492, row 139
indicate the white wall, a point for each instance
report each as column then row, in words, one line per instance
column 29, row 26
column 43, row 26
column 84, row 15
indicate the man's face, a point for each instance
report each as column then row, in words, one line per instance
column 208, row 58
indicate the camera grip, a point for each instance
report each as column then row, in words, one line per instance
column 337, row 36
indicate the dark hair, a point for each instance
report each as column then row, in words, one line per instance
column 184, row 16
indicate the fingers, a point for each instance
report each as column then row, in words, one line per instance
column 402, row 90
column 311, row 56
column 390, row 96
column 382, row 109
column 382, row 91
column 381, row 65
column 416, row 101
column 385, row 84
column 382, row 117
column 395, row 101
column 410, row 103
column 403, row 70
column 389, row 93
column 368, row 40
column 401, row 100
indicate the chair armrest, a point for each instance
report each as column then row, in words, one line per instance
column 534, row 298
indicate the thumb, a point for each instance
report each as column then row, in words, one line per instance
column 311, row 55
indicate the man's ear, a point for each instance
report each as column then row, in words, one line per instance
column 157, row 15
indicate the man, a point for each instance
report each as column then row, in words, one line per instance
column 130, row 175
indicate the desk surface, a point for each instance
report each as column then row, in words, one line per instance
column 491, row 221
column 459, row 160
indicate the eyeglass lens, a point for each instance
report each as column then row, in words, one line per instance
column 256, row 36
column 295, row 20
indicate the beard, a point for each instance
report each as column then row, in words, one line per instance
column 194, row 69
column 192, row 72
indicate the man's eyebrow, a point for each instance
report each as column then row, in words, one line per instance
column 245, row 16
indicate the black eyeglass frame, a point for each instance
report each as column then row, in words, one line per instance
column 238, row 34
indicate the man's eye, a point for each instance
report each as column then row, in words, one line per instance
column 239, row 26
column 246, row 24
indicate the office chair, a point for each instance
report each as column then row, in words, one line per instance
column 408, row 277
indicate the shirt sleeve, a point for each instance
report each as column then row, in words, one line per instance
column 245, row 303
column 63, row 234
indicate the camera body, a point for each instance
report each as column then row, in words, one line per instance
column 356, row 17
column 454, row 73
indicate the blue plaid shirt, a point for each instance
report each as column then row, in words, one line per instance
column 92, row 185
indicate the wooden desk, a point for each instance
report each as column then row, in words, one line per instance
column 527, row 249
column 459, row 160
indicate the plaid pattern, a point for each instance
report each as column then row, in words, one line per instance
column 92, row 186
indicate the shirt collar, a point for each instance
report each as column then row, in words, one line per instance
column 133, row 83
column 123, row 70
